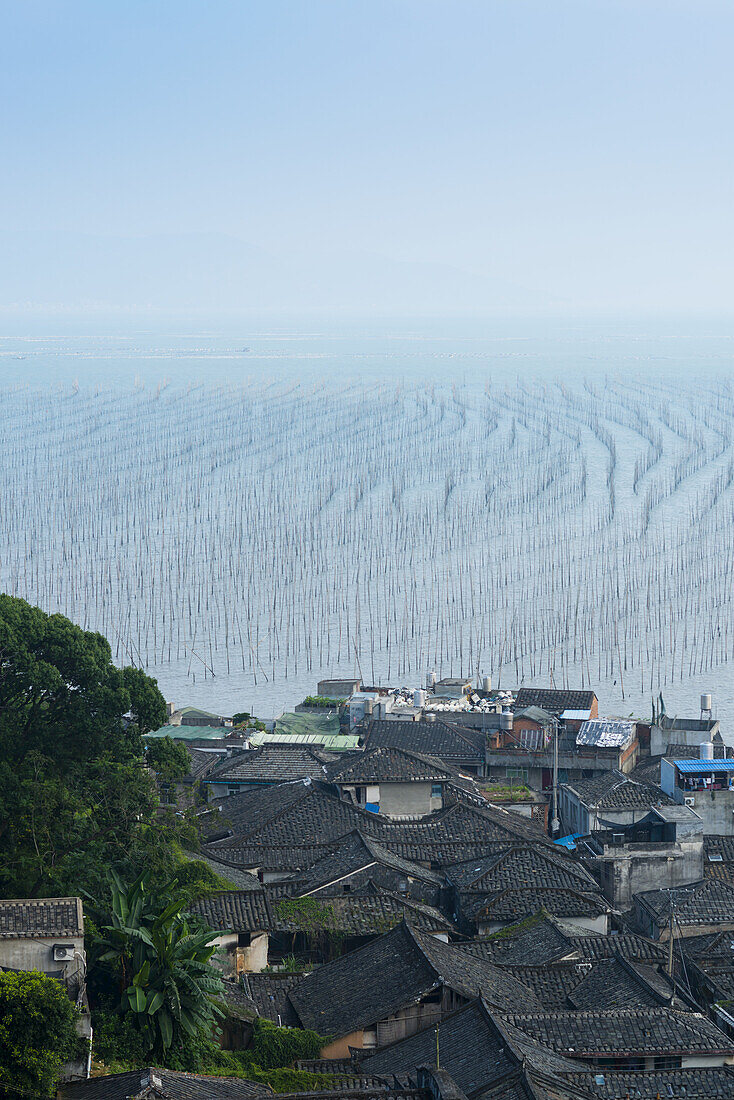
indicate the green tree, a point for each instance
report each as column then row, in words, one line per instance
column 160, row 961
column 37, row 1031
column 75, row 794
column 169, row 759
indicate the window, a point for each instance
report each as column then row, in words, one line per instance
column 233, row 790
column 667, row 1062
column 517, row 773
column 436, row 790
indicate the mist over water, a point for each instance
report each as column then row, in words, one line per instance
column 246, row 512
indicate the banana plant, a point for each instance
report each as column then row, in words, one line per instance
column 162, row 961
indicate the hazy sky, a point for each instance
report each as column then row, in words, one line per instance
column 387, row 154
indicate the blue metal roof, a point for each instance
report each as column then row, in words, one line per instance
column 704, row 765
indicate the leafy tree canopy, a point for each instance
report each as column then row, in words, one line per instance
column 75, row 794
column 169, row 759
column 37, row 1031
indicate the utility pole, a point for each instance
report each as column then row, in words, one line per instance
column 670, row 942
column 555, row 823
column 438, row 1061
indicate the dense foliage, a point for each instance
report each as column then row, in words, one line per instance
column 269, row 1058
column 37, row 1031
column 160, row 962
column 169, row 759
column 75, row 795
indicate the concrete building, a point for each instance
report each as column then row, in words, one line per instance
column 452, row 688
column 338, row 689
column 47, row 934
column 699, row 909
column 663, row 850
column 243, row 921
column 608, row 800
column 706, row 785
column 393, row 782
column 680, row 731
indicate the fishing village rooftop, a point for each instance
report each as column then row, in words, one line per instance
column 497, row 899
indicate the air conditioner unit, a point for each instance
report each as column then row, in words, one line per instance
column 690, row 800
column 63, row 952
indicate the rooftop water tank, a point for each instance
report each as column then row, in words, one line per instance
column 705, row 702
column 506, row 718
column 419, row 698
column 707, row 750
column 431, row 680
column 487, row 684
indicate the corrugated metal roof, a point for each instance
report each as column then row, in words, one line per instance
column 605, row 733
column 576, row 715
column 192, row 733
column 695, row 766
column 336, row 741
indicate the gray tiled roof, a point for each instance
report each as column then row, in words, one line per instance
column 630, row 946
column 24, row 917
column 241, row 880
column 173, row 1086
column 710, row 901
column 540, row 941
column 301, row 815
column 554, row 701
column 272, row 763
column 471, row 1050
column 551, row 983
column 438, row 739
column 269, row 995
column 368, row 985
column 607, row 983
column 263, row 857
column 387, row 764
column 515, row 904
column 624, row 1031
column 353, row 853
column 369, row 913
column 612, row 984
column 721, row 848
column 521, row 866
column 702, row 1083
column 235, row 911
column 615, row 791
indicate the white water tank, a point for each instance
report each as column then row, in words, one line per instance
column 705, row 702
column 430, row 680
column 506, row 719
column 419, row 698
column 707, row 750
column 487, row 684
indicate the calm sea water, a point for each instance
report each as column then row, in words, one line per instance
column 276, row 503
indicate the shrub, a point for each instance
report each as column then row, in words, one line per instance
column 37, row 1031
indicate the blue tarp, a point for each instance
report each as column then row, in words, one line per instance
column 569, row 841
